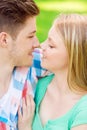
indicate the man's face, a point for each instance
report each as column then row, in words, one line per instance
column 23, row 46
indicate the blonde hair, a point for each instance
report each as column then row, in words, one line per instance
column 73, row 28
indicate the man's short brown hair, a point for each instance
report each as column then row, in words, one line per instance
column 13, row 13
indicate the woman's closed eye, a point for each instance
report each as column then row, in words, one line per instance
column 51, row 46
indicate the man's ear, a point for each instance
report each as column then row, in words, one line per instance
column 3, row 40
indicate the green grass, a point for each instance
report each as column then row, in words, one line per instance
column 50, row 9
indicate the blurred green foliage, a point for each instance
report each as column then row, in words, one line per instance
column 50, row 9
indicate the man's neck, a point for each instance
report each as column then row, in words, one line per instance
column 5, row 78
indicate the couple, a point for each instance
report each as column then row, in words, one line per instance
column 61, row 102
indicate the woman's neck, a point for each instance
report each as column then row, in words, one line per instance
column 60, row 80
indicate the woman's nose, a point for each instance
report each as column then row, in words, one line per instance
column 43, row 45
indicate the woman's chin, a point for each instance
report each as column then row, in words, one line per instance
column 43, row 65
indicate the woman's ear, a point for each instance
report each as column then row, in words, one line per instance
column 3, row 39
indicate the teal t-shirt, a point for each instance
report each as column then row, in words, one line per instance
column 74, row 117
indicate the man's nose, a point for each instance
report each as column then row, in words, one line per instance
column 36, row 43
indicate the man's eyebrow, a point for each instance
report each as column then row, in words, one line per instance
column 33, row 32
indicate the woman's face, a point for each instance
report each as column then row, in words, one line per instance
column 55, row 55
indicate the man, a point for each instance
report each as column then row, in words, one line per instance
column 17, row 42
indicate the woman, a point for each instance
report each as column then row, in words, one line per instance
column 61, row 98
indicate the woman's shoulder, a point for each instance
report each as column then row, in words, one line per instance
column 82, row 102
column 79, row 115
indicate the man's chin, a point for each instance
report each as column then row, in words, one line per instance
column 25, row 65
column 28, row 65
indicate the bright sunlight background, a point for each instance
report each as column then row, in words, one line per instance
column 50, row 9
